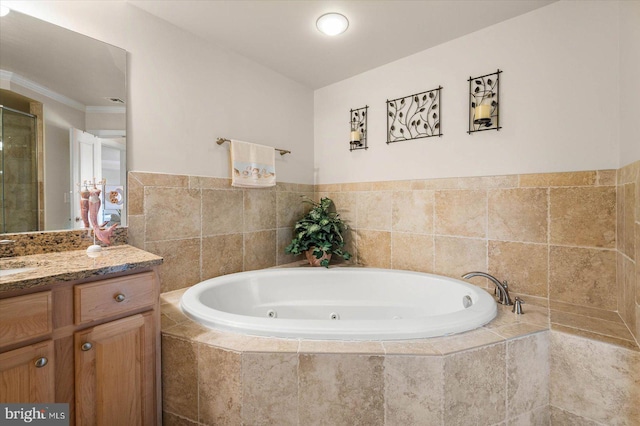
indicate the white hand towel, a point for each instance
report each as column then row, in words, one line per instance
column 252, row 165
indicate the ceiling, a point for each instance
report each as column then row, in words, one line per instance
column 281, row 35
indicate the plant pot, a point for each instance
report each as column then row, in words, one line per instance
column 313, row 261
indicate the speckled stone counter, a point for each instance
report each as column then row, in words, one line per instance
column 72, row 265
column 28, row 243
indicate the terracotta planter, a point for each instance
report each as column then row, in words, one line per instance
column 313, row 261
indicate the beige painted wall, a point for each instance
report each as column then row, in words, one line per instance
column 184, row 93
column 552, row 122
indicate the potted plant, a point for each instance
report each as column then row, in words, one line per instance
column 319, row 234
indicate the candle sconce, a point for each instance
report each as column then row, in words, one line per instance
column 484, row 98
column 358, row 122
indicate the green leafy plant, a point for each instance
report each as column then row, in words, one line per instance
column 320, row 230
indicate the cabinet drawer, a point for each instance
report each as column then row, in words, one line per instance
column 115, row 296
column 25, row 317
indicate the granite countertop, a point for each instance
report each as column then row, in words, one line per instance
column 72, row 265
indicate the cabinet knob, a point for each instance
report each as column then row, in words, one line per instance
column 86, row 346
column 41, row 362
column 119, row 297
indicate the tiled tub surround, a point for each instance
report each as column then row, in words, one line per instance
column 628, row 243
column 494, row 374
column 557, row 237
column 553, row 236
column 203, row 227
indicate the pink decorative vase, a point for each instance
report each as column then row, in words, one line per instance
column 313, row 261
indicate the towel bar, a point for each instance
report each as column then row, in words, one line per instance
column 220, row 141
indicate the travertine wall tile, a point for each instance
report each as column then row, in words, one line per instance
column 637, row 227
column 486, row 182
column 334, row 389
column 525, row 265
column 628, row 306
column 537, row 417
column 527, row 373
column 412, row 252
column 170, row 419
column 412, row 212
column 461, row 213
column 221, row 255
column 259, row 210
column 161, row 179
column 269, row 389
column 606, row 178
column 414, row 388
column 518, row 214
column 615, row 328
column 283, row 239
column 180, row 377
column 374, row 248
column 542, row 180
column 356, row 186
column 203, row 182
column 136, row 231
column 620, row 223
column 221, row 212
column 289, row 209
column 374, row 210
column 565, row 418
column 583, row 276
column 219, row 386
column 171, row 213
column 135, row 196
column 474, row 386
column 181, row 266
column 583, row 216
column 457, row 256
column 259, row 250
column 628, row 243
column 581, row 382
column 393, row 185
column 345, row 204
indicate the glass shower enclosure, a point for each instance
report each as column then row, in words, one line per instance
column 18, row 171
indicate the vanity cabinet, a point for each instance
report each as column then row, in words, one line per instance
column 93, row 344
column 27, row 374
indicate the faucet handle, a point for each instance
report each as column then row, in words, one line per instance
column 517, row 306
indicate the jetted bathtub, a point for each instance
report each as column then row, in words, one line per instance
column 339, row 304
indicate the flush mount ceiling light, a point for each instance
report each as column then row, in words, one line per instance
column 332, row 24
column 4, row 10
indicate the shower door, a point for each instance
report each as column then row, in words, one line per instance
column 18, row 171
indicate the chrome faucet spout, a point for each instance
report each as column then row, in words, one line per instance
column 502, row 287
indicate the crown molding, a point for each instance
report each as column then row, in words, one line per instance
column 38, row 88
column 106, row 109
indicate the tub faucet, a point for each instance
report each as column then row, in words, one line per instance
column 503, row 288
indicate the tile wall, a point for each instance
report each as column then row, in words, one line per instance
column 204, row 228
column 628, row 243
column 566, row 241
column 498, row 374
column 563, row 240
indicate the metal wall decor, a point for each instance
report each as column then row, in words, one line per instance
column 358, row 135
column 414, row 117
column 484, row 98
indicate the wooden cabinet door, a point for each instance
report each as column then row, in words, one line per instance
column 27, row 374
column 115, row 372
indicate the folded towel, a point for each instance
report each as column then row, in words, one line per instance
column 252, row 165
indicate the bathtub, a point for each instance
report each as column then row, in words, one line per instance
column 338, row 304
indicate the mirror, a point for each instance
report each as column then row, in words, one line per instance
column 62, row 123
